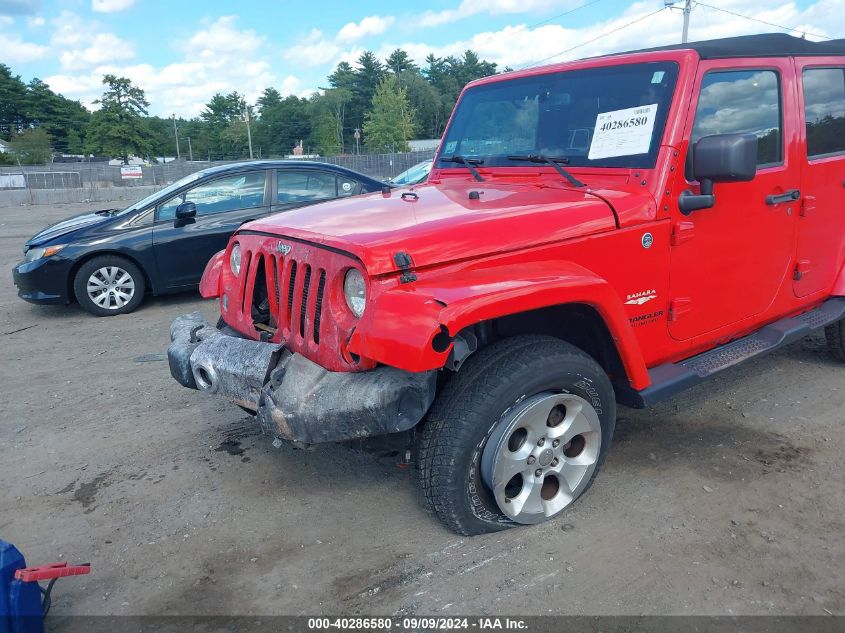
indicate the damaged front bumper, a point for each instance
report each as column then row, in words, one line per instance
column 292, row 397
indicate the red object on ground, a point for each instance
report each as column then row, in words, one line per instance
column 51, row 571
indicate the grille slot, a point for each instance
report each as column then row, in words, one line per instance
column 304, row 303
column 321, row 286
column 246, row 276
column 291, row 288
column 276, row 264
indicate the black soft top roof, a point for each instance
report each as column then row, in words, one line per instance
column 764, row 45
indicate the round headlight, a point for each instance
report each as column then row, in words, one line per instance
column 235, row 259
column 355, row 291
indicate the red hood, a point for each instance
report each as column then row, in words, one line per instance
column 442, row 224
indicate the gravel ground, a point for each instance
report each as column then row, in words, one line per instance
column 725, row 500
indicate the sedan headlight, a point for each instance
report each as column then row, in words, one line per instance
column 235, row 259
column 44, row 251
column 355, row 291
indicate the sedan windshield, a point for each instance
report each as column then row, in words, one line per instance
column 599, row 117
column 163, row 194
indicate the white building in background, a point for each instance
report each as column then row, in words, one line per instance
column 4, row 147
column 420, row 145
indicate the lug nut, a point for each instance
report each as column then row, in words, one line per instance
column 538, row 472
column 555, row 461
column 556, row 443
column 541, row 441
column 531, row 459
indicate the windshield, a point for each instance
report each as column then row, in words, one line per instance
column 598, row 117
column 163, row 193
column 413, row 175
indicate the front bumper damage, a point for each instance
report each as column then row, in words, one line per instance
column 294, row 398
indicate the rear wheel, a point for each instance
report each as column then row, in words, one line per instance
column 109, row 285
column 517, row 436
column 835, row 335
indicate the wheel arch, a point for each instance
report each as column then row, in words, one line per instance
column 415, row 326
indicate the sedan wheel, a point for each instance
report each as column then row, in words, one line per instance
column 109, row 285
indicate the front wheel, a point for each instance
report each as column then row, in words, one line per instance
column 835, row 335
column 516, row 436
column 109, row 285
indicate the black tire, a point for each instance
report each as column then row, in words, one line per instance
column 89, row 268
column 835, row 335
column 476, row 399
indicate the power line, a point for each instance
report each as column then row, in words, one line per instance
column 554, row 17
column 595, row 39
column 747, row 17
column 559, row 15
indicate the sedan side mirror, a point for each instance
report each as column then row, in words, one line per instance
column 186, row 210
column 719, row 158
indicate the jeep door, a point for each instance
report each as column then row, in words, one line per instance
column 821, row 223
column 184, row 246
column 729, row 262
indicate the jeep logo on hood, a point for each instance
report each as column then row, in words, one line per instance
column 283, row 248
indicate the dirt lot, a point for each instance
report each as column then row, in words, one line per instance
column 727, row 500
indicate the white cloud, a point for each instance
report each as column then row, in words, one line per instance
column 219, row 57
column 17, row 51
column 110, row 6
column 104, row 48
column 371, row 25
column 83, row 44
column 36, row 22
column 517, row 45
column 468, row 8
column 312, row 50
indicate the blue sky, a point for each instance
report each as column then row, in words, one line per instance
column 183, row 51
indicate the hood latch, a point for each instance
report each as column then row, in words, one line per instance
column 405, row 263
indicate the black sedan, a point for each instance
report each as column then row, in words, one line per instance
column 107, row 260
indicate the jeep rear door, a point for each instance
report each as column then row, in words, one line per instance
column 729, row 262
column 821, row 225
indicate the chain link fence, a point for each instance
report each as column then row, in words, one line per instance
column 101, row 175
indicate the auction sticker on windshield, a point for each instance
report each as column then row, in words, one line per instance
column 623, row 132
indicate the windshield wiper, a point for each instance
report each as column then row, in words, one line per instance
column 554, row 161
column 468, row 162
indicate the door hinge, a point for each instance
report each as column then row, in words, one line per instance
column 802, row 267
column 682, row 232
column 679, row 307
column 808, row 205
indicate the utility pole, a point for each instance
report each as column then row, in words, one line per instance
column 686, row 9
column 176, row 133
column 357, row 136
column 248, row 133
column 190, row 151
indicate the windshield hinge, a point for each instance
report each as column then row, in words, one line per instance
column 404, row 263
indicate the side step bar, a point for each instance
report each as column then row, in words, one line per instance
column 672, row 378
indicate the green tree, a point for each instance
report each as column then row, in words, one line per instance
column 282, row 123
column 118, row 128
column 31, row 147
column 13, row 102
column 390, row 123
column 219, row 113
column 328, row 120
column 399, row 63
column 60, row 117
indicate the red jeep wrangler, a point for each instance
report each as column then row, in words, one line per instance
column 609, row 230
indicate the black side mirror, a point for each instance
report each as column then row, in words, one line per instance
column 719, row 158
column 186, row 210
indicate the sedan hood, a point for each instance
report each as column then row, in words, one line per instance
column 443, row 222
column 68, row 225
